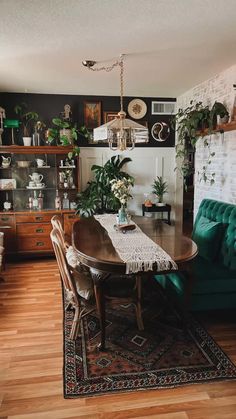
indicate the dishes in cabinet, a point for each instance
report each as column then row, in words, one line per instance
column 23, row 163
column 35, row 187
column 7, row 184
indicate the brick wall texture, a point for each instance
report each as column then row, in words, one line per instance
column 218, row 88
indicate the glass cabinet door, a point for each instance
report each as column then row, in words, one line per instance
column 37, row 175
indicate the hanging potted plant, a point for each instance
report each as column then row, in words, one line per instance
column 193, row 123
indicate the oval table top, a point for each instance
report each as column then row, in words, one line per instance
column 95, row 249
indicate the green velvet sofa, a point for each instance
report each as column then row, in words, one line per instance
column 214, row 269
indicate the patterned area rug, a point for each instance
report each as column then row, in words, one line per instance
column 161, row 356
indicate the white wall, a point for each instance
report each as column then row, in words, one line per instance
column 218, row 88
column 147, row 163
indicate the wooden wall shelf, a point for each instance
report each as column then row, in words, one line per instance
column 230, row 126
column 35, row 150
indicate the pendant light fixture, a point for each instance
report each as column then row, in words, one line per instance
column 121, row 133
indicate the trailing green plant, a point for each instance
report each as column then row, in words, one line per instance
column 193, row 123
column 98, row 196
column 159, row 188
column 27, row 118
column 66, row 133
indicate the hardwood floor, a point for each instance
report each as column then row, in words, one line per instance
column 31, row 360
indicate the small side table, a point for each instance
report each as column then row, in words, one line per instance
column 156, row 208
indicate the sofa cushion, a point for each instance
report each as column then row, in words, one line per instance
column 224, row 213
column 228, row 248
column 212, row 277
column 207, row 235
column 209, row 278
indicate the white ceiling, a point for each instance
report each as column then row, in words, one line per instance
column 172, row 45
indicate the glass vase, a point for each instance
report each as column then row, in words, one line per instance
column 122, row 215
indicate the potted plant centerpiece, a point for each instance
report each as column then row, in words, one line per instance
column 27, row 118
column 159, row 189
column 121, row 189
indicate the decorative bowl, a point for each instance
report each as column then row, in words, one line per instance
column 23, row 163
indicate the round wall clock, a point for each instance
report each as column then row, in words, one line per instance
column 137, row 108
column 160, row 131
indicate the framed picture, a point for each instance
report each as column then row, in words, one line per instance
column 92, row 114
column 109, row 115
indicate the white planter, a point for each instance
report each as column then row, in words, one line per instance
column 27, row 141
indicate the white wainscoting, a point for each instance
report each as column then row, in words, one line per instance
column 146, row 164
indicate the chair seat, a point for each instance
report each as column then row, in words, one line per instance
column 84, row 284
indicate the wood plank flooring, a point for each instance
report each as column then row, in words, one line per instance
column 31, row 360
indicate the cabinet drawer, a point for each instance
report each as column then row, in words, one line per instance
column 33, row 218
column 33, row 229
column 71, row 218
column 7, row 220
column 34, row 243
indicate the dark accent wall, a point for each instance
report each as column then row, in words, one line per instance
column 49, row 106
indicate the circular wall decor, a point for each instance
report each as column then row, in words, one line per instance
column 160, row 131
column 137, row 108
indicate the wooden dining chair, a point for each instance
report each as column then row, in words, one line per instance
column 117, row 289
column 81, row 306
column 56, row 223
column 2, row 255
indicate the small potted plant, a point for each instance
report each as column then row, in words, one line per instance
column 159, row 189
column 27, row 119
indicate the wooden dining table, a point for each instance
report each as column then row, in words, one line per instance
column 94, row 249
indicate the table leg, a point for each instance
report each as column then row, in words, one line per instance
column 98, row 278
column 187, row 271
column 169, row 218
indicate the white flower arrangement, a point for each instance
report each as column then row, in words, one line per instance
column 121, row 189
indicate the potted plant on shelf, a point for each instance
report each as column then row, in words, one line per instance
column 66, row 133
column 27, row 119
column 98, row 197
column 193, row 123
column 159, row 189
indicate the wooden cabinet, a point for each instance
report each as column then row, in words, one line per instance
column 33, row 232
column 27, row 231
column 68, row 221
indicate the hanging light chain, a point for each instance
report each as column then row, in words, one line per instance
column 107, row 69
column 121, row 64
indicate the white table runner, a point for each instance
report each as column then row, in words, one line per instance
column 135, row 248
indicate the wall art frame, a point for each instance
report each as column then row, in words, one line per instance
column 92, row 114
column 109, row 115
